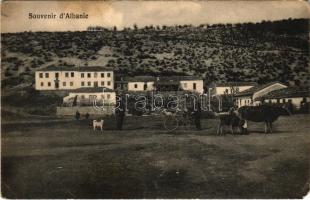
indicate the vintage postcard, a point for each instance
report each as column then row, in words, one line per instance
column 155, row 99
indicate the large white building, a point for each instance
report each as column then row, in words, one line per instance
column 69, row 78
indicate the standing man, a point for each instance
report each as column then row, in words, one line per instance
column 77, row 115
column 120, row 113
column 244, row 127
column 197, row 116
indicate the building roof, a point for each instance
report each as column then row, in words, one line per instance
column 139, row 79
column 168, row 82
column 160, row 78
column 229, row 84
column 81, row 69
column 120, row 81
column 91, row 90
column 257, row 88
column 179, row 78
column 289, row 92
column 174, row 80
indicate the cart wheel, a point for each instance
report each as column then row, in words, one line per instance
column 170, row 123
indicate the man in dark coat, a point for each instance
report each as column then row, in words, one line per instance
column 77, row 115
column 197, row 116
column 120, row 114
column 87, row 115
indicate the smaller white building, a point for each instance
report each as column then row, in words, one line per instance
column 251, row 96
column 140, row 83
column 165, row 83
column 185, row 83
column 294, row 95
column 230, row 87
column 87, row 97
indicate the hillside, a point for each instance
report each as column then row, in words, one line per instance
column 260, row 52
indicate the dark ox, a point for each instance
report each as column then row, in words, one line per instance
column 262, row 113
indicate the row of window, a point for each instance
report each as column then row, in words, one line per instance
column 82, row 83
column 246, row 102
column 232, row 90
column 71, row 74
column 65, row 84
column 102, row 75
column 184, row 86
column 48, row 84
column 249, row 102
column 279, row 100
column 46, row 75
column 102, row 83
column 144, row 86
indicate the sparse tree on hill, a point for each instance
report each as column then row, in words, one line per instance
column 135, row 27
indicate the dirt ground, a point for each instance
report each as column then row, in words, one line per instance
column 66, row 159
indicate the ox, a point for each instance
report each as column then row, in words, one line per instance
column 262, row 113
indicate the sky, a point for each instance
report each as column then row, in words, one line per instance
column 14, row 14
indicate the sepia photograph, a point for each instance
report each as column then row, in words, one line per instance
column 155, row 99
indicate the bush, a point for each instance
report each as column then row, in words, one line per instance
column 29, row 97
column 49, row 110
column 8, row 73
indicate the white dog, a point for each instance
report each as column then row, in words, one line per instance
column 98, row 124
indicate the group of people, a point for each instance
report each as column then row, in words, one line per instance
column 193, row 111
column 195, row 115
column 78, row 115
column 119, row 116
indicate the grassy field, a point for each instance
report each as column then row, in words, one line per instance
column 68, row 160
